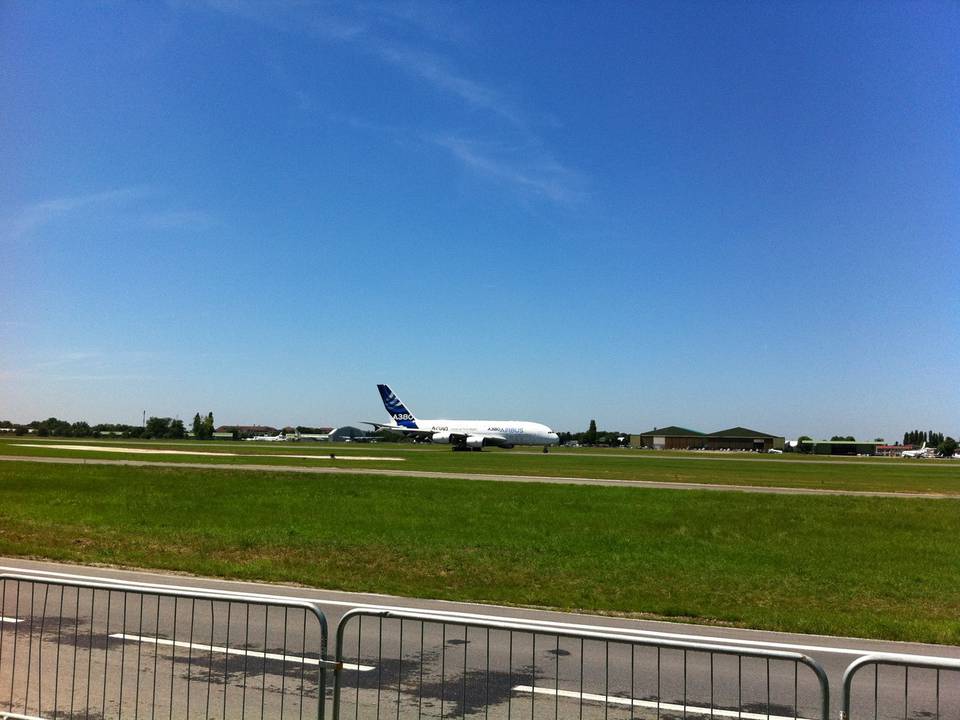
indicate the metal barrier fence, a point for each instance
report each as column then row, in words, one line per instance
column 98, row 649
column 406, row 664
column 71, row 649
column 935, row 694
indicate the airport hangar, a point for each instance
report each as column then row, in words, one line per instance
column 735, row 438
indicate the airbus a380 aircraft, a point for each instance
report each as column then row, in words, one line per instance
column 463, row 434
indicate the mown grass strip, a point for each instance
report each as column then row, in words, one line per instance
column 889, row 476
column 868, row 567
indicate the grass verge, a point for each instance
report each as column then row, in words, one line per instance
column 892, row 475
column 869, row 567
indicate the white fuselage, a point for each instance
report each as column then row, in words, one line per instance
column 463, row 434
column 922, row 452
column 511, row 432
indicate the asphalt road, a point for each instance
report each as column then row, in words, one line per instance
column 135, row 657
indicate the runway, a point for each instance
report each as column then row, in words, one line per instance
column 541, row 479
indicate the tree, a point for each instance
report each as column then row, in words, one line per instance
column 203, row 427
column 591, row 434
column 177, row 430
column 157, row 428
column 947, row 447
column 804, row 444
column 917, row 437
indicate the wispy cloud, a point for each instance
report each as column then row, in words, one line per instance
column 441, row 74
column 330, row 21
column 179, row 220
column 376, row 29
column 46, row 376
column 85, row 366
column 107, row 377
column 122, row 205
column 409, row 36
column 541, row 175
column 35, row 215
column 439, row 20
column 72, row 357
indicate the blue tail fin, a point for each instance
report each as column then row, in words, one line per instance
column 395, row 408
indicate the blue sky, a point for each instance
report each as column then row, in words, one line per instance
column 705, row 214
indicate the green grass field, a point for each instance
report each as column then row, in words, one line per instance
column 871, row 567
column 796, row 471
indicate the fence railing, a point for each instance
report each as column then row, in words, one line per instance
column 886, row 692
column 416, row 664
column 99, row 649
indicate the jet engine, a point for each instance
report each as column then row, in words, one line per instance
column 441, row 437
column 474, row 442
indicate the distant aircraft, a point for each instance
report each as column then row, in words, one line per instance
column 463, row 434
column 269, row 438
column 922, row 452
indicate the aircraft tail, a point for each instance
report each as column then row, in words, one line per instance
column 396, row 409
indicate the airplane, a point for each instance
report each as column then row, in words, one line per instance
column 922, row 452
column 463, row 434
column 269, row 438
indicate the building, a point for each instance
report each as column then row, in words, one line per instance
column 741, row 438
column 669, row 438
column 735, row 438
column 243, row 431
column 839, row 447
column 893, row 450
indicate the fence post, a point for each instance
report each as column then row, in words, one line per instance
column 894, row 660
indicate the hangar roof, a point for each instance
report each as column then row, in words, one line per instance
column 673, row 431
column 740, row 432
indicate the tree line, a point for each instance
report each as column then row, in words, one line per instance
column 592, row 436
column 945, row 445
column 155, row 428
column 919, row 437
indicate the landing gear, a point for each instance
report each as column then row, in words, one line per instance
column 546, row 449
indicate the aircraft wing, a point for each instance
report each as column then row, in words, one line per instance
column 397, row 428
